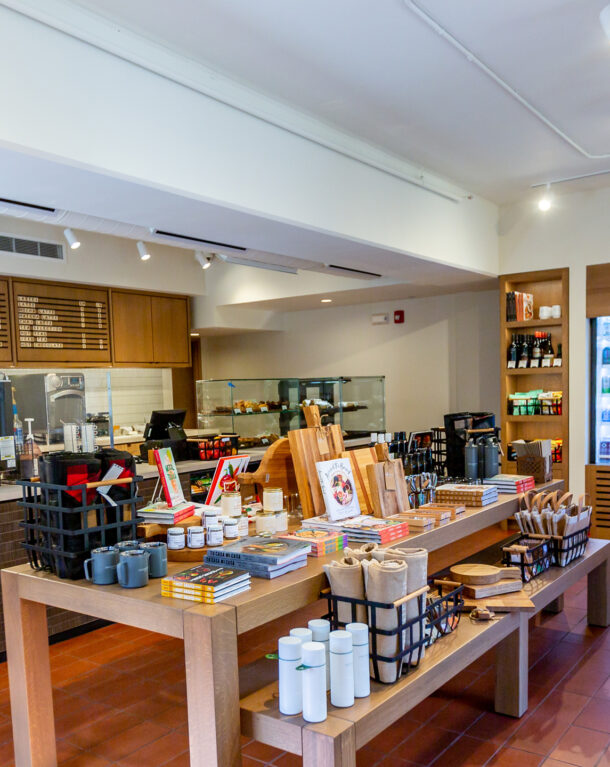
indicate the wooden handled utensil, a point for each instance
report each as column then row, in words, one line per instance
column 479, row 575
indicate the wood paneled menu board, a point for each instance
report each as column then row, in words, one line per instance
column 6, row 354
column 56, row 323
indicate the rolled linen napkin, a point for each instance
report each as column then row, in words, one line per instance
column 364, row 552
column 386, row 582
column 417, row 578
column 345, row 578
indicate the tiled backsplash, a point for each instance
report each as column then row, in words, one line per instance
column 136, row 392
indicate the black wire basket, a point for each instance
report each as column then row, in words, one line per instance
column 435, row 616
column 570, row 547
column 532, row 555
column 59, row 539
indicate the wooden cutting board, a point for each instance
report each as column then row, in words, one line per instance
column 307, row 447
column 388, row 488
column 506, row 603
column 276, row 469
column 493, row 589
column 479, row 575
column 360, row 459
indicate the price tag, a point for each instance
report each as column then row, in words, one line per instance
column 264, row 409
column 389, row 475
column 322, row 441
column 249, row 410
column 237, row 411
column 546, row 362
column 284, row 407
column 534, row 363
column 557, row 363
column 512, row 364
column 523, row 363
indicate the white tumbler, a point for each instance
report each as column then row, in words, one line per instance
column 289, row 650
column 304, row 635
column 341, row 669
column 314, row 682
column 360, row 645
column 320, row 630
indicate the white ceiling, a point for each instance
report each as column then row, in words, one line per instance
column 376, row 70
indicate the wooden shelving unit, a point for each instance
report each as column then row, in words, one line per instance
column 548, row 287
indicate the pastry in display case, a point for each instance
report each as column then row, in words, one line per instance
column 261, row 410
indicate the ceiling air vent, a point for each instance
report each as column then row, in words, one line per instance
column 22, row 247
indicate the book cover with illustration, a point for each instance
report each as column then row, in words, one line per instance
column 338, row 488
column 225, row 477
column 205, row 578
column 174, row 495
column 261, row 548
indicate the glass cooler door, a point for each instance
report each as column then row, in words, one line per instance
column 600, row 389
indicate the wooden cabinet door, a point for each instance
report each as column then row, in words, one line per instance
column 171, row 331
column 132, row 330
column 6, row 353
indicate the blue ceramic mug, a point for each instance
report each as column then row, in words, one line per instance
column 157, row 562
column 101, row 567
column 132, row 569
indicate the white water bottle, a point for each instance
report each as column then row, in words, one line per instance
column 341, row 669
column 360, row 649
column 291, row 691
column 314, row 682
column 304, row 635
column 320, row 631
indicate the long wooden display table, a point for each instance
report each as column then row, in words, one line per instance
column 333, row 743
column 209, row 633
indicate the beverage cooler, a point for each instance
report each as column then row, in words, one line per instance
column 600, row 390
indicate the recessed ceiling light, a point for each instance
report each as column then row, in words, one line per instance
column 71, row 239
column 326, row 300
column 143, row 251
column 545, row 202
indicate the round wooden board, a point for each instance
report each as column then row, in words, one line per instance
column 480, row 575
column 185, row 555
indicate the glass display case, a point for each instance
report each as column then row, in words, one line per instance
column 262, row 409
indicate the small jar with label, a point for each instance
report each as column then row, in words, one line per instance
column 176, row 538
column 242, row 524
column 281, row 521
column 214, row 535
column 209, row 518
column 195, row 537
column 273, row 499
column 230, row 528
column 230, row 503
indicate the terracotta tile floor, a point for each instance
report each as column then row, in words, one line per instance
column 120, row 699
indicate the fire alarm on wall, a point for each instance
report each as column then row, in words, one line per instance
column 399, row 317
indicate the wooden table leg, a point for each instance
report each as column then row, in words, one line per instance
column 512, row 671
column 212, row 686
column 329, row 744
column 598, row 595
column 29, row 669
column 556, row 606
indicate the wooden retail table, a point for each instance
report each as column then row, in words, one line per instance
column 209, row 633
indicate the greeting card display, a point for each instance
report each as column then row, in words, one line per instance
column 225, row 477
column 338, row 488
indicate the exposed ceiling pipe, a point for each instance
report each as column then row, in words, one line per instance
column 571, row 178
column 473, row 59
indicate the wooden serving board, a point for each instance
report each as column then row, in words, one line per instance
column 518, row 601
column 388, row 486
column 308, row 446
column 493, row 589
column 454, row 510
column 480, row 575
column 360, row 459
column 276, row 469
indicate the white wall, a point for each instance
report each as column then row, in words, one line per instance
column 443, row 359
column 574, row 233
column 103, row 260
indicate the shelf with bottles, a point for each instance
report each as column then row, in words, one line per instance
column 533, row 352
column 526, row 324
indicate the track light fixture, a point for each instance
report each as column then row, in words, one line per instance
column 545, row 202
column 205, row 261
column 143, row 251
column 71, row 239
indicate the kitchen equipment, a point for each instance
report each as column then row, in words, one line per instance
column 52, row 400
column 478, row 575
column 488, row 590
column 314, row 681
column 103, row 563
column 388, row 488
column 157, row 561
column 506, row 603
column 132, row 569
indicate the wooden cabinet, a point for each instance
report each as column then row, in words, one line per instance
column 150, row 329
column 170, row 330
